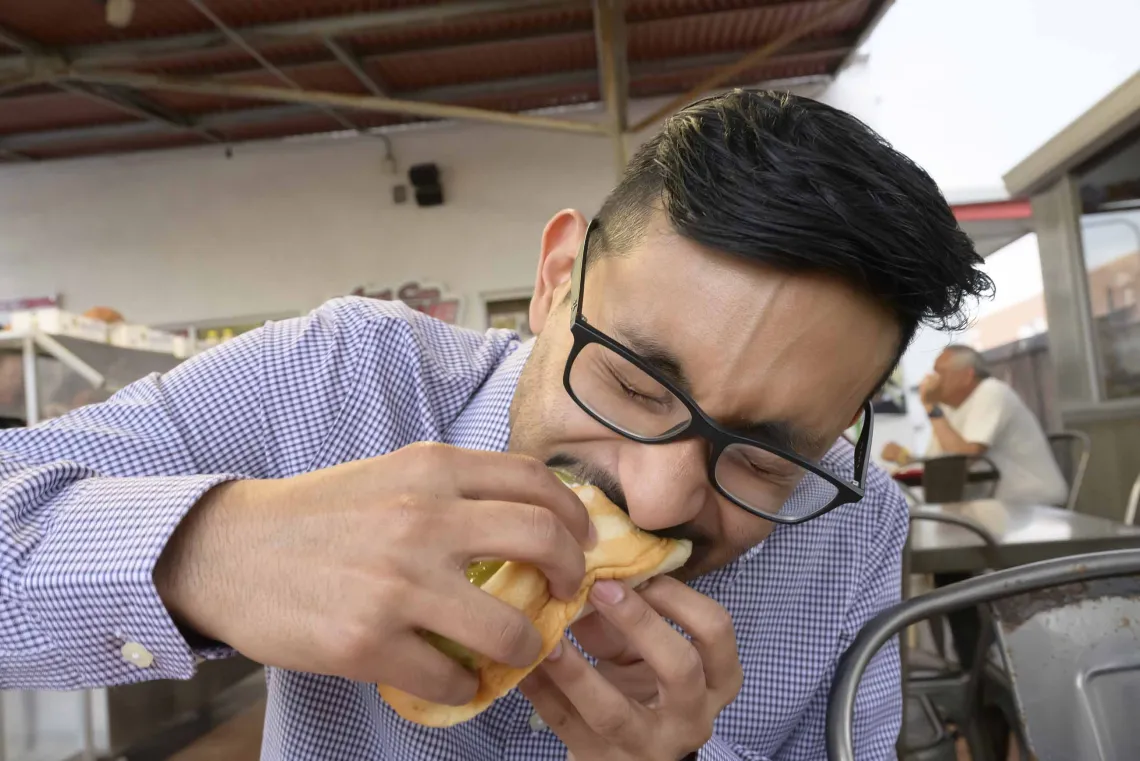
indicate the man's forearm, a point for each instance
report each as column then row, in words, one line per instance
column 950, row 441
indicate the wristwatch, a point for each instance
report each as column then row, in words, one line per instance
column 935, row 412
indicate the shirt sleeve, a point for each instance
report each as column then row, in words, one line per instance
column 719, row 749
column 89, row 500
column 987, row 415
column 878, row 703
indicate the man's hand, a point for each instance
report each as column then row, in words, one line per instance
column 930, row 390
column 895, row 453
column 655, row 695
column 337, row 571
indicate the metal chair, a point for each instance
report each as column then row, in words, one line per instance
column 1071, row 450
column 943, row 689
column 1133, row 501
column 957, row 477
column 1073, row 651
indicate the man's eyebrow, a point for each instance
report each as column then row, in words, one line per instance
column 784, row 435
column 655, row 354
column 778, row 433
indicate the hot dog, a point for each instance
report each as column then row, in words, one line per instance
column 623, row 551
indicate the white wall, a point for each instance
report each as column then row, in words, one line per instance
column 190, row 234
column 282, row 226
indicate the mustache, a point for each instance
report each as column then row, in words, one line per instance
column 610, row 486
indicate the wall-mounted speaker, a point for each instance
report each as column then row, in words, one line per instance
column 425, row 180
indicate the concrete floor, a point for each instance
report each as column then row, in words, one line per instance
column 239, row 739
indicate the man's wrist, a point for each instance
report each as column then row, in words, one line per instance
column 189, row 575
column 934, row 411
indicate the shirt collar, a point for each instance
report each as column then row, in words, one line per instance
column 485, row 422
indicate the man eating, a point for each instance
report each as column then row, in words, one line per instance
column 309, row 494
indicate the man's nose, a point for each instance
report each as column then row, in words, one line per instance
column 666, row 485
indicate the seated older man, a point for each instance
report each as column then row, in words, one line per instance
column 973, row 413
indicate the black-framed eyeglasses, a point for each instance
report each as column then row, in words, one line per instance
column 625, row 393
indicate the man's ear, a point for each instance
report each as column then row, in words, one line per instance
column 561, row 242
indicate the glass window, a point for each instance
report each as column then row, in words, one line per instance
column 1110, row 231
column 1011, row 329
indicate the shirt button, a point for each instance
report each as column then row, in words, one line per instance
column 536, row 723
column 136, row 655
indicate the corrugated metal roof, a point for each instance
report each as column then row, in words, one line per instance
column 492, row 54
column 52, row 110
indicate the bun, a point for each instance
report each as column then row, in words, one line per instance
column 623, row 551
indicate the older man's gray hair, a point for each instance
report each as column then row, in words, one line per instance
column 965, row 356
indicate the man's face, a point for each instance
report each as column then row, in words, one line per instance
column 756, row 346
column 957, row 378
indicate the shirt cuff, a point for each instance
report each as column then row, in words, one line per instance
column 90, row 582
column 717, row 749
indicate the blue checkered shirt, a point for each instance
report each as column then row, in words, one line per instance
column 88, row 501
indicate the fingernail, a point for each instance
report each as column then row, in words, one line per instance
column 556, row 653
column 608, row 592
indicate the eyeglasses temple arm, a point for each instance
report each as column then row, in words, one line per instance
column 579, row 272
column 863, row 443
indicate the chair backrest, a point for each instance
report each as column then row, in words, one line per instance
column 1073, row 656
column 1071, row 450
column 1106, row 651
column 1133, row 501
column 947, row 478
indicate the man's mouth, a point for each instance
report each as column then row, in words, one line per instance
column 611, row 487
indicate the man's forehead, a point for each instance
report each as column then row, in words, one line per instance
column 757, row 345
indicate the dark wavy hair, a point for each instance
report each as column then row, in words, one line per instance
column 797, row 185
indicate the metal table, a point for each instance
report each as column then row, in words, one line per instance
column 912, row 477
column 1025, row 534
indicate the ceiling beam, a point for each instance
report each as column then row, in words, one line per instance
column 20, row 42
column 133, row 51
column 266, row 64
column 333, row 100
column 613, row 73
column 350, row 61
column 14, row 156
column 804, row 50
column 749, row 61
column 223, row 120
column 839, row 45
column 17, row 83
column 220, row 120
column 137, row 104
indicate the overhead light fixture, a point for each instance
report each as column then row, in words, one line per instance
column 120, row 12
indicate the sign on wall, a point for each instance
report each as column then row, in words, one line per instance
column 427, row 298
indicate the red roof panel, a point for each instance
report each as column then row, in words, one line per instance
column 516, row 59
column 55, row 110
